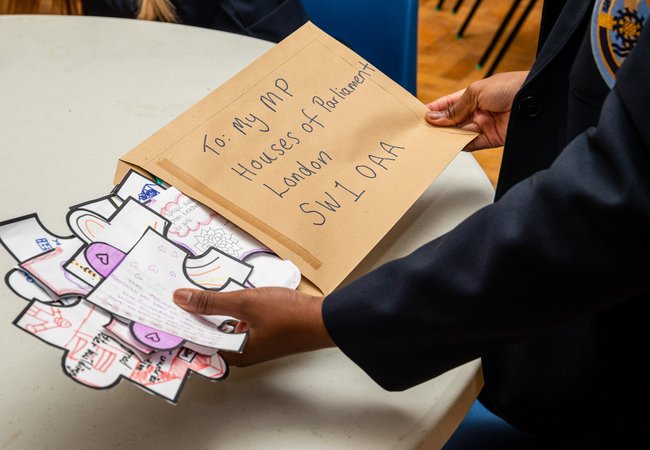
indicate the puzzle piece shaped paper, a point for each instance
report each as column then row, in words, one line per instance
column 94, row 359
column 25, row 237
column 270, row 270
column 120, row 257
column 42, row 254
column 125, row 334
column 120, row 231
column 48, row 270
column 211, row 271
column 79, row 267
column 138, row 187
column 198, row 228
column 103, row 258
column 115, row 236
column 214, row 269
column 45, row 261
column 141, row 287
column 24, row 286
column 200, row 349
column 154, row 338
column 104, row 206
column 122, row 333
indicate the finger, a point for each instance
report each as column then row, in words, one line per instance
column 443, row 102
column 245, row 359
column 234, row 359
column 456, row 112
column 480, row 142
column 241, row 327
column 474, row 145
column 469, row 125
column 211, row 302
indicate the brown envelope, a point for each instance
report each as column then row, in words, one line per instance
column 310, row 149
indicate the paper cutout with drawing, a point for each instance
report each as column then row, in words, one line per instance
column 121, row 231
column 197, row 228
column 138, row 187
column 122, row 333
column 24, row 286
column 154, row 338
column 42, row 254
column 103, row 258
column 94, row 359
column 25, row 237
column 48, row 270
column 57, row 273
column 103, row 206
column 140, row 289
column 210, row 271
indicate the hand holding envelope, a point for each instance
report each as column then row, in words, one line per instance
column 310, row 149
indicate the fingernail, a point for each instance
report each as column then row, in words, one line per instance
column 435, row 115
column 182, row 296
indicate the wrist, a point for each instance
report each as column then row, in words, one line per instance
column 316, row 334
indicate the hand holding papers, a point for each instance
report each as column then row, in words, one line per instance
column 139, row 289
column 104, row 294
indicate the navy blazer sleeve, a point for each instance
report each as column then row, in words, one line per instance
column 561, row 244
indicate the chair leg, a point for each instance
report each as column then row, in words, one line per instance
column 497, row 35
column 511, row 38
column 472, row 11
column 457, row 6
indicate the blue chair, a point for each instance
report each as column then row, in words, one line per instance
column 384, row 33
column 482, row 430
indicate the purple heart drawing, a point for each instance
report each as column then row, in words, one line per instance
column 103, row 258
column 153, row 337
column 156, row 339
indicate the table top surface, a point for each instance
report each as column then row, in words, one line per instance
column 78, row 92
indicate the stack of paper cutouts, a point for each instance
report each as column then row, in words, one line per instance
column 104, row 294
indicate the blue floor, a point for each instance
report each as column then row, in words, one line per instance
column 482, row 430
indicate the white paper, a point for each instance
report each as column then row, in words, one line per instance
column 198, row 228
column 141, row 289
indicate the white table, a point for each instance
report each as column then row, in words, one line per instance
column 77, row 92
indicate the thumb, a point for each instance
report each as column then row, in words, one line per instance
column 210, row 302
column 453, row 109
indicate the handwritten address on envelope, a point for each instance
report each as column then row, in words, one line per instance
column 310, row 149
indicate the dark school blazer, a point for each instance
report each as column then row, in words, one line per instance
column 550, row 284
column 272, row 20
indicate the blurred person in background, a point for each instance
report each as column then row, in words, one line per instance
column 271, row 20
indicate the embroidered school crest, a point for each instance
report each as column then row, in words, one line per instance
column 615, row 28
